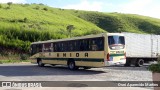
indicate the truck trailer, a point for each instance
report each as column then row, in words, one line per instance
column 141, row 48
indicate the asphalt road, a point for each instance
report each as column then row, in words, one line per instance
column 31, row 72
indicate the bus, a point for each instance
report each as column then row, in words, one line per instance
column 87, row 51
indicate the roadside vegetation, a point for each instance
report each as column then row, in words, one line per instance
column 13, row 61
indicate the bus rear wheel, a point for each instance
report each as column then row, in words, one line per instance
column 40, row 64
column 72, row 65
column 139, row 63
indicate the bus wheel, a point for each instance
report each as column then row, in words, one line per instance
column 72, row 65
column 139, row 63
column 40, row 64
column 86, row 68
column 53, row 64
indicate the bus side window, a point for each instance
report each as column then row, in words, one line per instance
column 75, row 45
column 90, row 45
column 62, row 46
column 72, row 46
column 85, row 45
column 40, row 47
column 47, row 47
column 66, row 46
column 101, row 43
column 82, row 45
column 58, row 47
column 55, row 47
column 51, row 47
column 43, row 49
column 94, row 45
column 37, row 48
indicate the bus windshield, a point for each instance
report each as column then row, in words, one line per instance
column 116, row 42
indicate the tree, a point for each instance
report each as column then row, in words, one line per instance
column 69, row 29
column 9, row 4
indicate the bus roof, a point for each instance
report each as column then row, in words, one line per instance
column 76, row 38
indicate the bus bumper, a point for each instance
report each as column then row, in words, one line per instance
column 119, row 62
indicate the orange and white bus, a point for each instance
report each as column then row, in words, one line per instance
column 86, row 51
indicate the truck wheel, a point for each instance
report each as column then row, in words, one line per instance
column 139, row 63
column 128, row 63
column 72, row 65
column 40, row 64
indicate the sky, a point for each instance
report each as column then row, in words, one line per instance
column 142, row 7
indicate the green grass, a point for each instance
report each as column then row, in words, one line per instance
column 22, row 24
column 13, row 61
column 117, row 22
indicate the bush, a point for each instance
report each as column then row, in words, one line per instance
column 7, row 8
column 37, row 8
column 158, row 59
column 155, row 67
column 1, row 6
column 24, row 56
column 25, row 19
column 46, row 9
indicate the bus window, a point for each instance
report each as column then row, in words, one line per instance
column 100, row 43
column 64, row 46
column 116, row 42
column 82, row 45
column 51, row 48
column 47, row 47
column 35, row 48
column 76, row 46
column 58, row 47
column 86, row 47
column 39, row 48
column 94, row 45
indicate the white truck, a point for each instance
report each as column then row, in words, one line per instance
column 141, row 48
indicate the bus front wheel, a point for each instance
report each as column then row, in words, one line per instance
column 40, row 64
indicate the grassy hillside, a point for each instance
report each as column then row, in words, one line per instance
column 116, row 22
column 22, row 24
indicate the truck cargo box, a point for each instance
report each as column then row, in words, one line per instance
column 142, row 45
